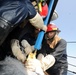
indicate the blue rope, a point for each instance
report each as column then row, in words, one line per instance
column 41, row 34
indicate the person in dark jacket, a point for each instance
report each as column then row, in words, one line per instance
column 52, row 45
column 55, row 46
column 12, row 13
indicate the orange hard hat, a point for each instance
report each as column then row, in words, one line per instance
column 52, row 27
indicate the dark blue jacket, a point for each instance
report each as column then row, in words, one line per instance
column 12, row 12
column 15, row 11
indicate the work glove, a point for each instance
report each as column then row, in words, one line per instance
column 37, row 22
column 33, row 64
column 27, row 47
column 17, row 51
column 46, row 62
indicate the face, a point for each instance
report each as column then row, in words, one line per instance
column 51, row 34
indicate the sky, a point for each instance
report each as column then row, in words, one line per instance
column 66, row 22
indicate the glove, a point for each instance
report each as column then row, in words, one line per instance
column 46, row 62
column 27, row 47
column 37, row 22
column 34, row 65
column 16, row 50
